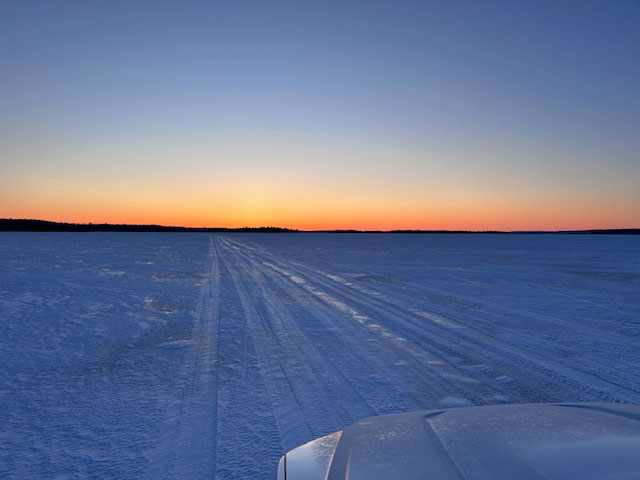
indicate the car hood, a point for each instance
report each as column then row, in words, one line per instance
column 535, row 441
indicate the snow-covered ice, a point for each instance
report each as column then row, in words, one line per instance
column 166, row 355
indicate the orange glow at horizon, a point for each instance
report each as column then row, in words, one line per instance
column 323, row 196
column 333, row 215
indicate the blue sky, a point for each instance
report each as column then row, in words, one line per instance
column 420, row 106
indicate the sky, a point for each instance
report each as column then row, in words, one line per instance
column 322, row 114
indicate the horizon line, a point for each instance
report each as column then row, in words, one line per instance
column 88, row 226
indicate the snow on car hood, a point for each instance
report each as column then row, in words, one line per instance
column 535, row 441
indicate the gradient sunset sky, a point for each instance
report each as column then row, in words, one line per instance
column 322, row 114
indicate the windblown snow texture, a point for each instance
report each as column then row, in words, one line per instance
column 154, row 355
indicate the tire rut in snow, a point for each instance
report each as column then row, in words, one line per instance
column 188, row 447
column 319, row 388
column 540, row 376
column 246, row 426
column 319, row 382
column 426, row 375
column 295, row 353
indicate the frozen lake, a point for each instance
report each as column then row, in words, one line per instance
column 166, row 355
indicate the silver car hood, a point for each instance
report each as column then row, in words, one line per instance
column 536, row 441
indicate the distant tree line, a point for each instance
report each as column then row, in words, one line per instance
column 27, row 225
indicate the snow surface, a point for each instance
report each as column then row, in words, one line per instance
column 166, row 355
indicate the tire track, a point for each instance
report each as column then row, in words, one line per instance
column 188, row 447
column 296, row 329
column 283, row 353
column 246, row 424
column 425, row 374
column 545, row 378
column 287, row 408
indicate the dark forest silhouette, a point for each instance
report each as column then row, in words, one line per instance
column 28, row 225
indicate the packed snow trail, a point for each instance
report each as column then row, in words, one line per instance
column 331, row 351
column 208, row 356
column 191, row 423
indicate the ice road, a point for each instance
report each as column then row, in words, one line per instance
column 206, row 356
